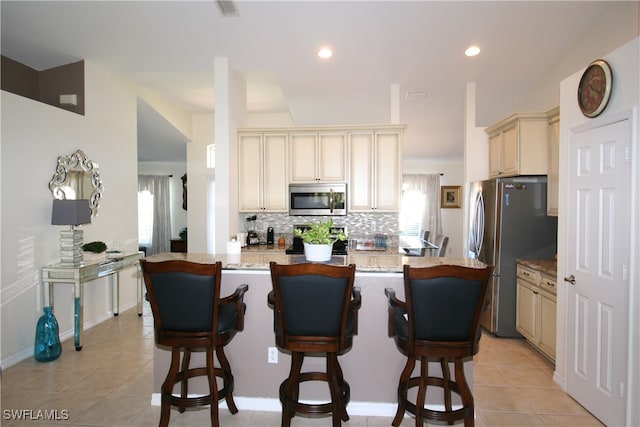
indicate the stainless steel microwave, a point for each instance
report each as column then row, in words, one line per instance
column 318, row 199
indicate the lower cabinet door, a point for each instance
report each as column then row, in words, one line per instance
column 526, row 311
column 547, row 341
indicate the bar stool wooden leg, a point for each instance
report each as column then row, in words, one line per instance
column 446, row 381
column 290, row 389
column 465, row 393
column 184, row 386
column 167, row 387
column 422, row 391
column 227, row 377
column 345, row 391
column 403, row 385
column 336, row 389
column 213, row 387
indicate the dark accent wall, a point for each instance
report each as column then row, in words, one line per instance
column 45, row 86
column 19, row 79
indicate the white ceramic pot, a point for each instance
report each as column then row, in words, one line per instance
column 317, row 253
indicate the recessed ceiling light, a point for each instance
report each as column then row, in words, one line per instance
column 472, row 51
column 325, row 53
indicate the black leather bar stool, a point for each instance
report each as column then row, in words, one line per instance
column 440, row 320
column 316, row 311
column 190, row 315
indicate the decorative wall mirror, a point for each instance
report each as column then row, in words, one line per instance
column 77, row 178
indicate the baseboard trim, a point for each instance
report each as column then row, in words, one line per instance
column 264, row 404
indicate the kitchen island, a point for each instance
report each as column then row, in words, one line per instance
column 372, row 366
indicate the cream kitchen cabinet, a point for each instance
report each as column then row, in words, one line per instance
column 536, row 308
column 554, row 150
column 518, row 145
column 262, row 172
column 318, row 157
column 375, row 170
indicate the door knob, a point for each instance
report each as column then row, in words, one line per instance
column 571, row 279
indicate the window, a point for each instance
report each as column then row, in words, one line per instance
column 145, row 218
column 211, row 156
column 420, row 206
column 412, row 212
column 154, row 225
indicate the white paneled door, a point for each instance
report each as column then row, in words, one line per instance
column 597, row 269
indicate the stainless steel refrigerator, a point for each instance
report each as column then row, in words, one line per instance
column 508, row 220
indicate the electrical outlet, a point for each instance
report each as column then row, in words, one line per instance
column 374, row 226
column 272, row 355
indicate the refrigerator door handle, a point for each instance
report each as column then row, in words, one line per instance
column 478, row 232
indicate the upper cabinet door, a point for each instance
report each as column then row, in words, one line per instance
column 361, row 169
column 554, row 150
column 375, row 171
column 495, row 155
column 388, row 173
column 332, row 154
column 510, row 151
column 318, row 157
column 250, row 172
column 275, row 184
column 262, row 175
column 302, row 157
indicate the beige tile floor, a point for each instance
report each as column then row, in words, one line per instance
column 109, row 383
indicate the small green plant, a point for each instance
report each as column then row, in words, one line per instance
column 95, row 247
column 320, row 233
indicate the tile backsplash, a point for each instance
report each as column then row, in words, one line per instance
column 357, row 224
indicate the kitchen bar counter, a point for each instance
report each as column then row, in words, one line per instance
column 365, row 261
column 547, row 266
column 373, row 365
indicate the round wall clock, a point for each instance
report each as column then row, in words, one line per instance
column 594, row 89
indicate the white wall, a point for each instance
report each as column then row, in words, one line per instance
column 203, row 136
column 625, row 99
column 611, row 30
column 33, row 136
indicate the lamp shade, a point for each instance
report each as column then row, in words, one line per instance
column 70, row 212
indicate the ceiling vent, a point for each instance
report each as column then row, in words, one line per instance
column 227, row 8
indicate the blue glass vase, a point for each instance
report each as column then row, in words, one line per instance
column 47, row 345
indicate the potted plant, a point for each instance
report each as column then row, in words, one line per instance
column 94, row 251
column 318, row 240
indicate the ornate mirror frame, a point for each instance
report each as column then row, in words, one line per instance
column 77, row 177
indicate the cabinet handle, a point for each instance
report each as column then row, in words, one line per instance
column 551, row 284
column 526, row 273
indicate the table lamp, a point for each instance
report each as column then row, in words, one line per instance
column 72, row 213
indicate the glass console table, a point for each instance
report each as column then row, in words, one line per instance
column 78, row 275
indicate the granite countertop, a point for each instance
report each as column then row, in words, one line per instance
column 547, row 266
column 254, row 259
column 274, row 249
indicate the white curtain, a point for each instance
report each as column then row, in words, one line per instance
column 427, row 187
column 158, row 186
